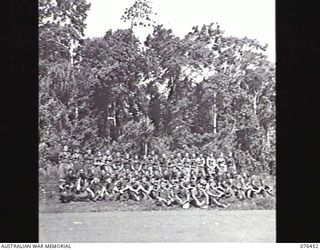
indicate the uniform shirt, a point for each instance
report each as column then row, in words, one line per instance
column 136, row 164
column 193, row 163
column 65, row 157
column 103, row 179
column 199, row 193
column 108, row 159
column 88, row 158
column 155, row 165
column 146, row 185
column 179, row 163
column 163, row 162
column 90, row 177
column 222, row 163
column 95, row 186
column 98, row 161
column 171, row 162
column 145, row 164
column 126, row 163
column 164, row 194
column 109, row 187
column 182, row 193
column 70, row 179
column 200, row 161
column 187, row 162
column 211, row 162
column 77, row 157
column 117, row 163
column 231, row 163
column 118, row 184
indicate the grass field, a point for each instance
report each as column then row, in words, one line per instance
column 159, row 226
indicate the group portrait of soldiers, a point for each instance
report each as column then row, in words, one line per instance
column 178, row 179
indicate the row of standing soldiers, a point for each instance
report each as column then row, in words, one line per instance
column 149, row 164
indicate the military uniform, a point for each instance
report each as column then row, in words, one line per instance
column 88, row 162
column 65, row 163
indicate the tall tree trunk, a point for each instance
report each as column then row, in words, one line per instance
column 255, row 103
column 146, row 148
column 214, row 113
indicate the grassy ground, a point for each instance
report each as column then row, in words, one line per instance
column 194, row 225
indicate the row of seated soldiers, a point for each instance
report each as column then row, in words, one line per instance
column 201, row 183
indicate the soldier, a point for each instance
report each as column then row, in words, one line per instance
column 103, row 180
column 163, row 162
column 81, row 186
column 88, row 161
column 117, row 163
column 136, row 165
column 199, row 196
column 71, row 179
column 145, row 188
column 184, row 194
column 186, row 165
column 155, row 164
column 166, row 175
column 108, row 159
column 65, row 162
column 211, row 163
column 126, row 163
column 155, row 188
column 214, row 194
column 179, row 162
column 201, row 162
column 94, row 189
column 118, row 185
column 193, row 164
column 99, row 161
column 265, row 189
column 221, row 162
column 170, row 164
column 133, row 189
column 145, row 164
column 77, row 160
column 231, row 165
column 163, row 195
column 65, row 192
column 92, row 174
column 109, row 189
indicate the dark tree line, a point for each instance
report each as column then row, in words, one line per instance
column 205, row 91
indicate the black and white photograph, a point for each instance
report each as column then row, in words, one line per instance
column 157, row 121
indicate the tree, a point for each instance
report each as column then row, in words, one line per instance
column 139, row 14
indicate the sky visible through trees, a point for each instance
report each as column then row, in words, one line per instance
column 203, row 91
